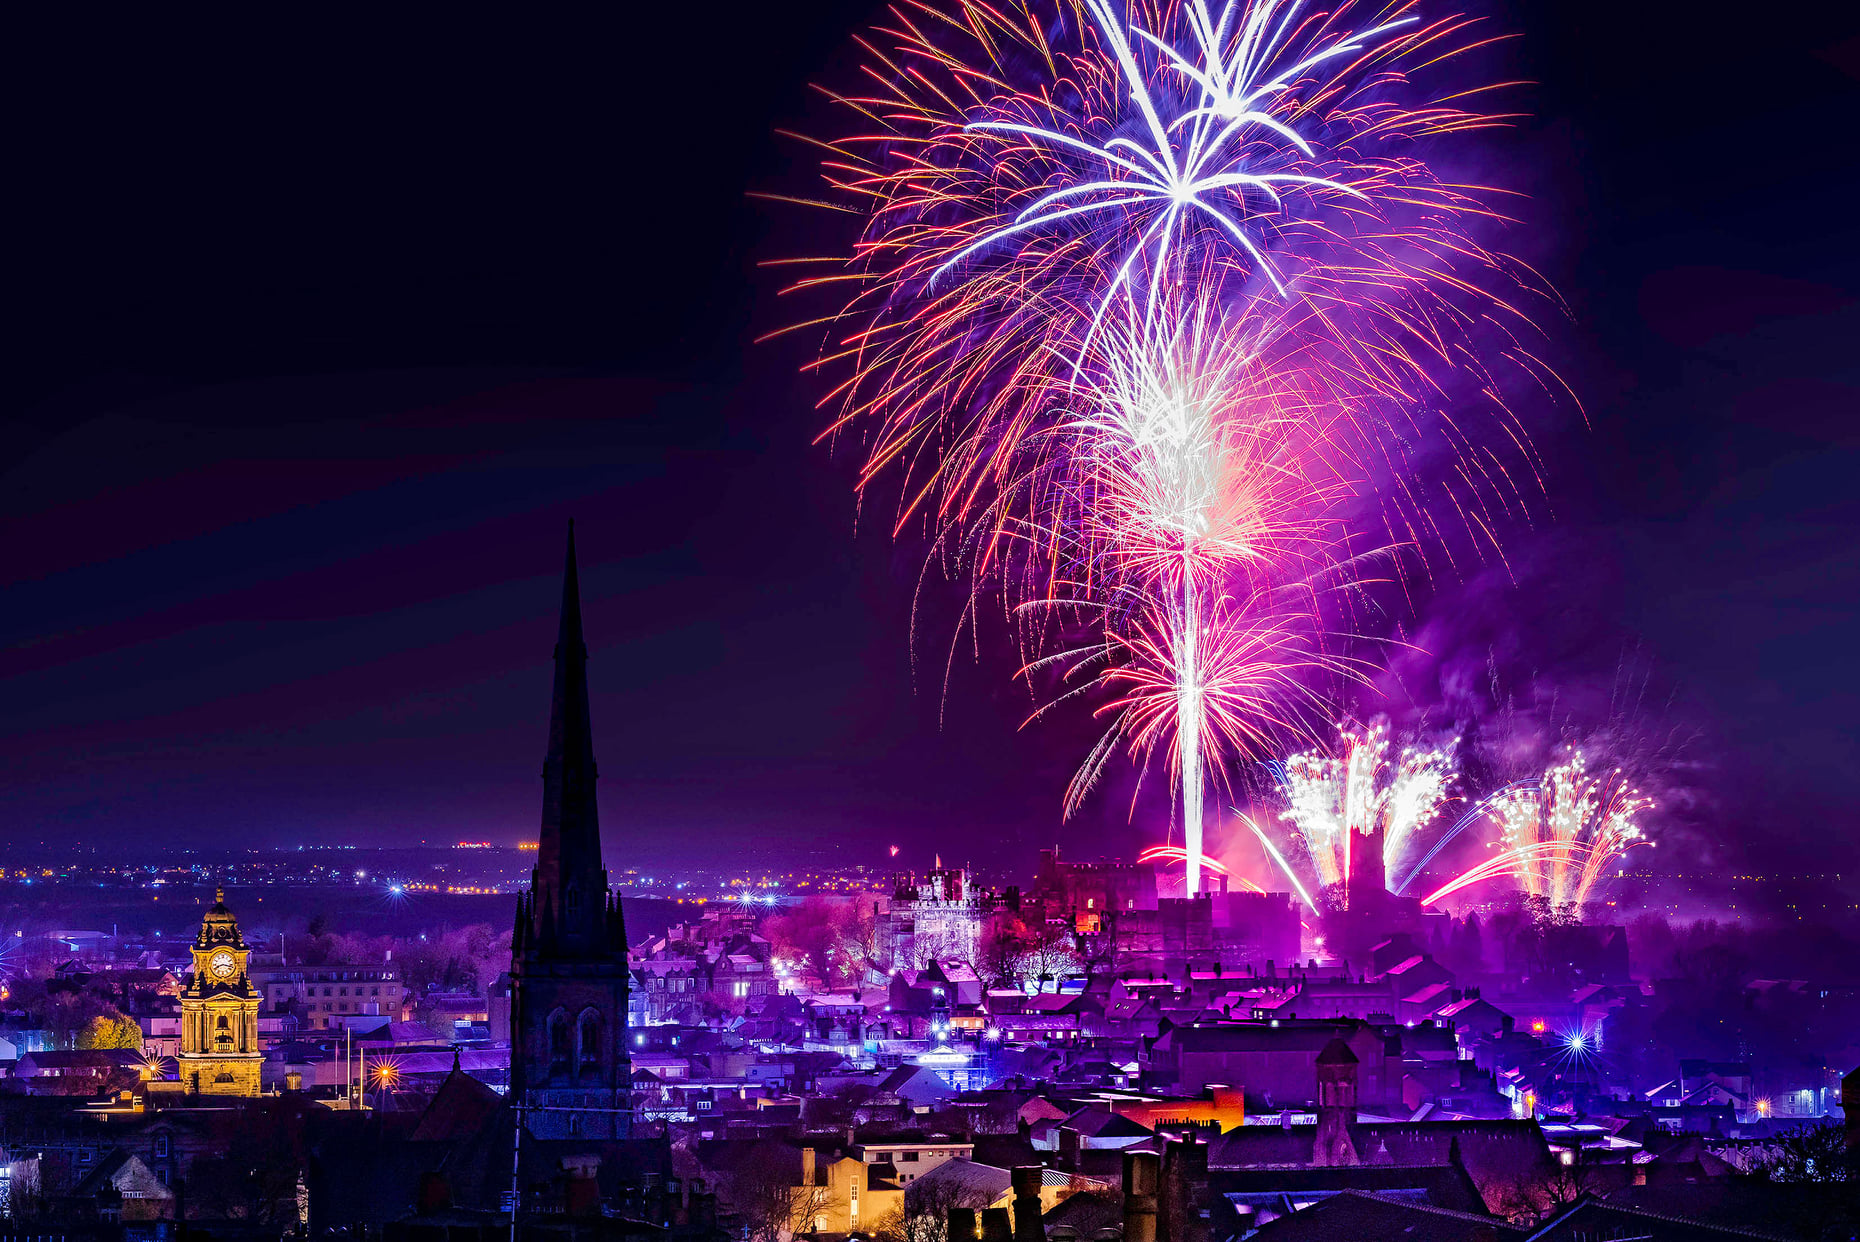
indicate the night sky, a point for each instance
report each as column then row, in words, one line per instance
column 325, row 331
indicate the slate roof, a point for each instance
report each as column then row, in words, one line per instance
column 1495, row 1153
column 1775, row 1209
column 1084, row 1214
column 1593, row 1218
column 1358, row 1216
column 460, row 1107
column 1441, row 1185
column 1099, row 1122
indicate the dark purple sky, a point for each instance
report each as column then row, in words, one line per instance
column 327, row 332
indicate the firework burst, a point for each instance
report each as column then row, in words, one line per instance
column 1559, row 836
column 1357, row 796
column 1147, row 303
column 1574, row 825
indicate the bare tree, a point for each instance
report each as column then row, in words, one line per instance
column 924, row 1216
column 860, row 950
column 1050, row 953
column 767, row 1192
column 1002, row 949
column 1556, row 1183
column 1817, row 1154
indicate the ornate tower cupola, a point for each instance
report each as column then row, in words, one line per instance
column 220, row 1054
column 569, row 968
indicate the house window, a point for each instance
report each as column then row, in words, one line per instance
column 161, row 1145
column 910, row 1157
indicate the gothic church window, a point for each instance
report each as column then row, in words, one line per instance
column 558, row 1043
column 589, row 1040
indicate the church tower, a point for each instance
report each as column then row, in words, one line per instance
column 219, row 1011
column 568, row 970
column 1336, row 1106
column 1367, row 887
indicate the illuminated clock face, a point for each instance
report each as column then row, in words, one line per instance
column 221, row 964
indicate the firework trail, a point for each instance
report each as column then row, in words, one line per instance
column 1250, row 684
column 1176, row 854
column 1113, row 259
column 1355, row 797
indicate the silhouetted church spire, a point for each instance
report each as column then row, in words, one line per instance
column 569, row 893
column 568, row 965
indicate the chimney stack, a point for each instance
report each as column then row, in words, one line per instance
column 1142, row 1178
column 1028, row 1227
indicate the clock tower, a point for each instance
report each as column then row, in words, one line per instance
column 219, row 1011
